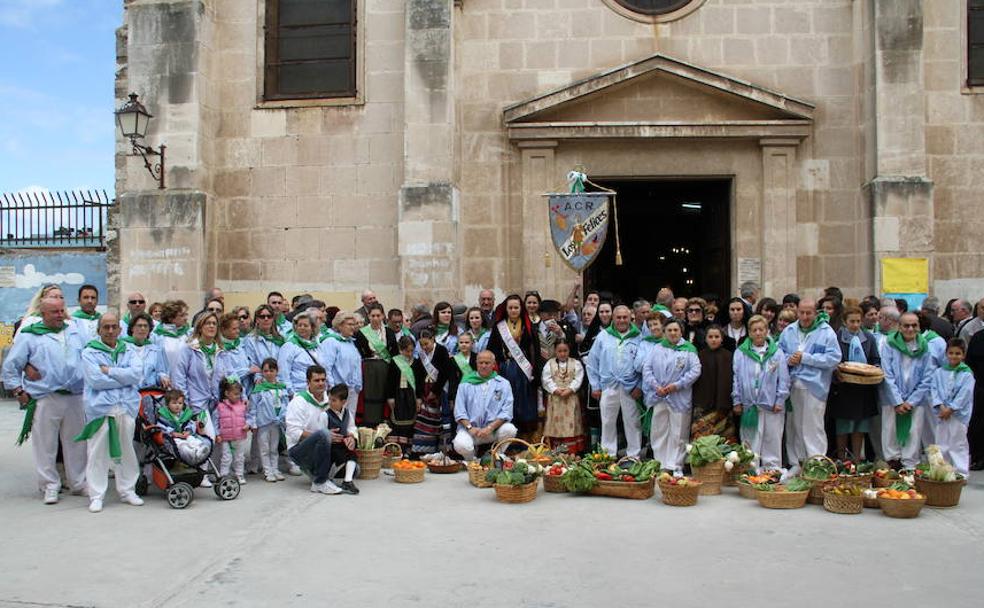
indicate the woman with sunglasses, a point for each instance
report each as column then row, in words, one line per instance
column 264, row 341
column 696, row 325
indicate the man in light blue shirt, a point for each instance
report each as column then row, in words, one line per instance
column 615, row 382
column 483, row 408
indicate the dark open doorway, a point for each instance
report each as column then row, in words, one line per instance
column 674, row 232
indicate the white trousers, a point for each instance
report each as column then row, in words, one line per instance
column 766, row 439
column 909, row 453
column 805, row 434
column 234, row 456
column 668, row 435
column 100, row 462
column 875, row 432
column 465, row 444
column 59, row 417
column 613, row 400
column 352, row 403
column 951, row 436
column 267, row 440
column 927, row 432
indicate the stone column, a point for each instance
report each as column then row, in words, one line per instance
column 161, row 247
column 779, row 249
column 428, row 221
column 900, row 194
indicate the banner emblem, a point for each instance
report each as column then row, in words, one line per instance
column 578, row 226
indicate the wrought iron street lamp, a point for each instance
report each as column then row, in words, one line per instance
column 133, row 119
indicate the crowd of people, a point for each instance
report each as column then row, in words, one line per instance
column 283, row 388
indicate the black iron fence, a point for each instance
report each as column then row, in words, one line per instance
column 41, row 219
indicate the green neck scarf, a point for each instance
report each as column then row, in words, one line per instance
column 90, row 430
column 271, row 338
column 310, row 399
column 81, row 314
column 281, row 319
column 404, row 366
column 463, row 364
column 963, row 367
column 209, row 352
column 633, row 332
column 126, row 318
column 132, row 340
column 929, row 334
column 177, row 332
column 441, row 329
column 651, row 338
column 305, row 344
column 268, row 386
column 820, row 320
column 682, row 346
column 660, row 308
column 230, row 344
column 770, row 349
column 481, row 332
column 40, row 329
column 178, row 421
column 114, row 353
column 896, row 341
column 475, row 378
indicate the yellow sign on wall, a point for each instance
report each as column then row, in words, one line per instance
column 905, row 275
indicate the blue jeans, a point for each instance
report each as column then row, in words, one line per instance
column 313, row 455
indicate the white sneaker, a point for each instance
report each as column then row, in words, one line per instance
column 270, row 477
column 279, row 476
column 206, row 482
column 132, row 499
column 241, row 479
column 294, row 470
column 326, row 488
column 51, row 496
column 95, row 505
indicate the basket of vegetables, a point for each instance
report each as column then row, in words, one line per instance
column 737, row 459
column 392, row 453
column 409, row 471
column 477, row 475
column 884, row 477
column 818, row 470
column 902, row 504
column 853, row 472
column 369, row 450
column 869, row 496
column 747, row 483
column 599, row 457
column 938, row 481
column 539, row 453
column 628, row 478
column 679, row 491
column 515, row 480
column 707, row 462
column 845, row 499
column 553, row 478
column 441, row 463
column 791, row 495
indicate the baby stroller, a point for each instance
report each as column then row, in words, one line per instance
column 171, row 470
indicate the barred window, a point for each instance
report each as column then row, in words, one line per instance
column 653, row 7
column 310, row 49
column 975, row 42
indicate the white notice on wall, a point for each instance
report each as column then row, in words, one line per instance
column 749, row 269
column 7, row 276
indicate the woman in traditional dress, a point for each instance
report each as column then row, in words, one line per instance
column 561, row 379
column 265, row 341
column 377, row 346
column 172, row 332
column 853, row 405
column 712, row 414
column 516, row 346
column 532, row 303
column 405, row 382
column 737, row 328
column 475, row 322
column 428, row 429
column 445, row 329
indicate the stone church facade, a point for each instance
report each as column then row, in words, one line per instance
column 845, row 130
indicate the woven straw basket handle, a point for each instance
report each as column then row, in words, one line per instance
column 503, row 444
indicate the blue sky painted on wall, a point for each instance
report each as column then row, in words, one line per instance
column 57, row 66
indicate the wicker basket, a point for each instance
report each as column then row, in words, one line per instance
column 783, row 500
column 555, row 484
column 390, row 456
column 516, row 494
column 940, row 493
column 847, row 505
column 476, row 477
column 639, row 490
column 901, row 509
column 859, row 379
column 747, row 490
column 731, row 477
column 370, row 462
column 710, row 477
column 816, row 492
column 883, row 482
column 444, row 469
column 870, row 503
column 680, row 496
column 542, row 460
column 862, row 481
column 409, row 475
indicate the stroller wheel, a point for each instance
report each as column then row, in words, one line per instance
column 180, row 495
column 141, row 487
column 227, row 488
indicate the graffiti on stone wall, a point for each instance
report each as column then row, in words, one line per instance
column 21, row 275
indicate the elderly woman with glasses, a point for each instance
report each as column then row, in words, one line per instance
column 695, row 325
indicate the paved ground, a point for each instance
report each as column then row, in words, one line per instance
column 444, row 541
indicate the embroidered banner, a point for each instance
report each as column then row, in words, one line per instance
column 578, row 226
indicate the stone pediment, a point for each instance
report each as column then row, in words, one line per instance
column 659, row 97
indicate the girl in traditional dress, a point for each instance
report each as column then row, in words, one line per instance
column 516, row 346
column 562, row 378
column 853, row 405
column 712, row 392
column 477, row 328
column 377, row 345
column 462, row 363
column 428, row 430
column 532, row 303
column 404, row 390
column 445, row 329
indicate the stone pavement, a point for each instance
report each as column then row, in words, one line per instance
column 445, row 541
